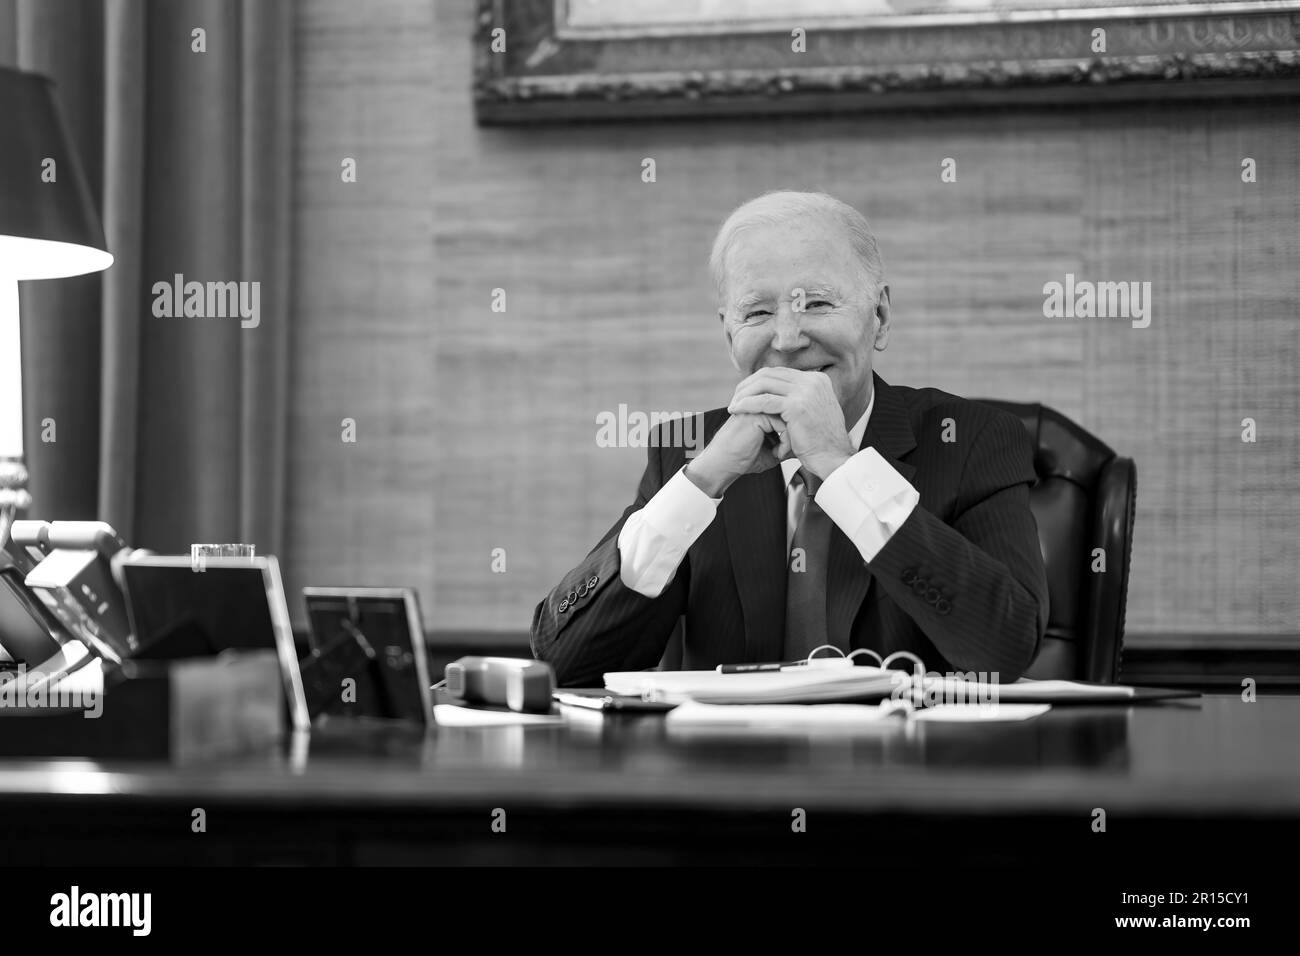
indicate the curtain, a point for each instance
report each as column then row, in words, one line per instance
column 172, row 429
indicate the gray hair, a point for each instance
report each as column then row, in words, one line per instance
column 780, row 206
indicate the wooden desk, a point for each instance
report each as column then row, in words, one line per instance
column 1192, row 779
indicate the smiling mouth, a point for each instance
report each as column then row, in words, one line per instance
column 811, row 368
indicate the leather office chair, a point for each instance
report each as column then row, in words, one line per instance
column 1084, row 499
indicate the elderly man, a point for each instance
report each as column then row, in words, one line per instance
column 827, row 506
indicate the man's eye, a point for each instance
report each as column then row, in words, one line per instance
column 815, row 303
column 756, row 313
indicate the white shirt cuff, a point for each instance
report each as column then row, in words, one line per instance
column 868, row 500
column 654, row 540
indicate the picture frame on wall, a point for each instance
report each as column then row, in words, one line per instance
column 539, row 60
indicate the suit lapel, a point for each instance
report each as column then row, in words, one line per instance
column 889, row 430
column 754, row 511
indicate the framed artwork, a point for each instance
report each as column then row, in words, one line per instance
column 537, row 60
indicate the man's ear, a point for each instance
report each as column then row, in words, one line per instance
column 882, row 319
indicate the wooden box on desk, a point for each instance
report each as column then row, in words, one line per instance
column 180, row 710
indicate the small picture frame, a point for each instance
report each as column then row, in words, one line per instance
column 378, row 626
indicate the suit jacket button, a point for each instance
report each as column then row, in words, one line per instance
column 573, row 597
column 909, row 575
column 932, row 595
column 942, row 606
column 919, row 585
column 564, row 605
column 592, row 581
column 582, row 589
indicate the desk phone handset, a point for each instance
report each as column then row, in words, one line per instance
column 72, row 568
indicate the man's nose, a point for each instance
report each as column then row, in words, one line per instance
column 787, row 333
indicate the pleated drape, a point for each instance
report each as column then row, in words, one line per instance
column 171, row 429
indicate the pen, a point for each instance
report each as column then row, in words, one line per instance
column 754, row 668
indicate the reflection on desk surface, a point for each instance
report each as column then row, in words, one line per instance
column 1217, row 751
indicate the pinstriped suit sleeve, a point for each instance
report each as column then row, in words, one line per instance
column 592, row 623
column 976, row 587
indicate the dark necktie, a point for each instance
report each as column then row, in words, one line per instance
column 805, row 590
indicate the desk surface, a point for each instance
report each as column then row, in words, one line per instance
column 1213, row 752
column 1216, row 757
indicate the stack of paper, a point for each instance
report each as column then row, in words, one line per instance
column 823, row 718
column 802, row 685
column 783, row 717
column 454, row 715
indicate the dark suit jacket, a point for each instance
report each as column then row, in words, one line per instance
column 961, row 584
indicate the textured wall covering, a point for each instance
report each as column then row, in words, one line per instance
column 476, row 430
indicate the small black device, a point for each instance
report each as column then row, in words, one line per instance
column 605, row 701
column 39, row 635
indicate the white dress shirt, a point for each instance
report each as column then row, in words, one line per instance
column 866, row 498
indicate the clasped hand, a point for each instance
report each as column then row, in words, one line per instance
column 799, row 408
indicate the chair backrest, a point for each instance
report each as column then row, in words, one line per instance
column 1084, row 504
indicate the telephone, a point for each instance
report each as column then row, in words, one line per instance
column 29, row 647
column 71, row 568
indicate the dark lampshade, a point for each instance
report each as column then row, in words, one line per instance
column 48, row 229
column 48, row 224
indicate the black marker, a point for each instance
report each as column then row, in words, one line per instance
column 755, row 668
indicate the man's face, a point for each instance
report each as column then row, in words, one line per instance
column 837, row 329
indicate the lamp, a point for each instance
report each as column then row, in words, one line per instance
column 48, row 229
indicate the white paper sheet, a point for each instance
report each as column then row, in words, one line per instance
column 451, row 715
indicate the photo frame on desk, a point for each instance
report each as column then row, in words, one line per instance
column 381, row 627
column 587, row 59
column 181, row 610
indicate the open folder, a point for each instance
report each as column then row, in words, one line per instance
column 802, row 685
column 805, row 684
